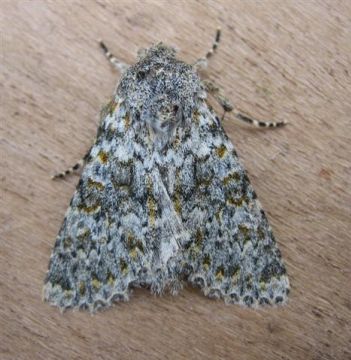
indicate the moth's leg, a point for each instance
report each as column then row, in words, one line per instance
column 118, row 65
column 202, row 62
column 216, row 92
column 259, row 123
column 73, row 168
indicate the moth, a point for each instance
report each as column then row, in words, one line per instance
column 163, row 199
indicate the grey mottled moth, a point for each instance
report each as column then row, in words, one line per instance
column 163, row 199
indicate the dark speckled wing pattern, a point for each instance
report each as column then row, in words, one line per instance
column 232, row 253
column 144, row 217
column 120, row 229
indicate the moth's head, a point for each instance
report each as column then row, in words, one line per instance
column 158, row 51
column 159, row 89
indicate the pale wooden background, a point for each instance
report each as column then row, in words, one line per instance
column 278, row 59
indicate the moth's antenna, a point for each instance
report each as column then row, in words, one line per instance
column 215, row 43
column 203, row 62
column 117, row 64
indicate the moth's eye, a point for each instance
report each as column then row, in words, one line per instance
column 141, row 75
column 175, row 108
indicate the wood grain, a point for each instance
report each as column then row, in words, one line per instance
column 278, row 60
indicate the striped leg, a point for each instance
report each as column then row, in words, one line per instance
column 202, row 62
column 216, row 92
column 72, row 169
column 118, row 65
column 259, row 123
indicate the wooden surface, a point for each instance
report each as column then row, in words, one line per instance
column 283, row 60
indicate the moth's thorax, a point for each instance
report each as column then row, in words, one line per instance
column 160, row 90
